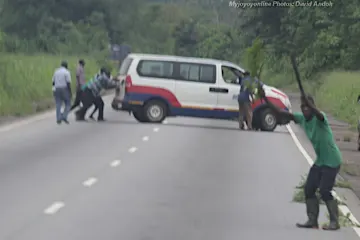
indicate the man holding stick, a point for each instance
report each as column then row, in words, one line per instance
column 322, row 174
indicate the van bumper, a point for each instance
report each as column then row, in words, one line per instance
column 121, row 106
column 127, row 106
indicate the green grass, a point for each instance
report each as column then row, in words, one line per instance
column 338, row 94
column 25, row 81
column 335, row 93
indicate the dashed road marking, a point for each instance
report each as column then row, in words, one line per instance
column 54, row 208
column 145, row 139
column 132, row 150
column 89, row 182
column 344, row 209
column 156, row 129
column 115, row 163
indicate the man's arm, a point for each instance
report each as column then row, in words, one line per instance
column 110, row 83
column 68, row 81
column 278, row 110
column 316, row 111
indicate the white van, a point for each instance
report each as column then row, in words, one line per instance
column 154, row 87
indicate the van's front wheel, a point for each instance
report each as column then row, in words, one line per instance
column 268, row 120
column 155, row 111
column 139, row 116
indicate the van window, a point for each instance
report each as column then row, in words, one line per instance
column 197, row 73
column 230, row 75
column 157, row 69
column 125, row 66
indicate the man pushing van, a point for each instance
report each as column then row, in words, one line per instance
column 91, row 94
column 245, row 110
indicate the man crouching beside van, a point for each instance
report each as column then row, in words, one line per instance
column 91, row 94
column 245, row 110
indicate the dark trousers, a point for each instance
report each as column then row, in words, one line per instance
column 322, row 178
column 77, row 100
column 245, row 114
column 88, row 99
column 99, row 103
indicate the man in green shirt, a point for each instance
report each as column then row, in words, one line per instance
column 322, row 174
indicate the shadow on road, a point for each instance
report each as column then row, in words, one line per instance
column 129, row 122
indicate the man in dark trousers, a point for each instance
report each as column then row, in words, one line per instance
column 91, row 94
column 80, row 81
column 245, row 110
column 322, row 174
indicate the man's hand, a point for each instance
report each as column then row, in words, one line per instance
column 261, row 92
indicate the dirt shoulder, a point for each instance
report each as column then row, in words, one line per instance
column 346, row 139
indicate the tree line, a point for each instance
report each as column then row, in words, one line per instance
column 322, row 38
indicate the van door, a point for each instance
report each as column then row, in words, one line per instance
column 195, row 89
column 229, row 80
column 124, row 68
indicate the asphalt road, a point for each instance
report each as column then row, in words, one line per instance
column 189, row 179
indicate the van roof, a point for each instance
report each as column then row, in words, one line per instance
column 184, row 59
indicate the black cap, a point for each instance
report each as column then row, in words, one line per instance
column 82, row 62
column 64, row 64
column 103, row 70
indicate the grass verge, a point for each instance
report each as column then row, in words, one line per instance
column 25, row 81
column 338, row 95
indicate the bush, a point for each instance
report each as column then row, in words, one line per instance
column 26, row 80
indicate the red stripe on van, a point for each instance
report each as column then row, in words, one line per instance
column 161, row 92
column 281, row 94
column 277, row 102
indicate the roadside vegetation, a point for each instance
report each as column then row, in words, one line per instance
column 325, row 41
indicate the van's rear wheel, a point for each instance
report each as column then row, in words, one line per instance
column 268, row 120
column 139, row 116
column 155, row 111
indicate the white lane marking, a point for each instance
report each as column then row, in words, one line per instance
column 344, row 209
column 89, row 182
column 132, row 150
column 115, row 163
column 54, row 208
column 156, row 129
column 145, row 139
column 165, row 122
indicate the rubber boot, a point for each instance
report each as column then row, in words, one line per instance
column 312, row 210
column 333, row 209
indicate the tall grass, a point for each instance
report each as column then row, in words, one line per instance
column 338, row 95
column 335, row 93
column 26, row 81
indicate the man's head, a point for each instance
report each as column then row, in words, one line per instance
column 102, row 70
column 306, row 110
column 82, row 62
column 108, row 73
column 105, row 71
column 64, row 64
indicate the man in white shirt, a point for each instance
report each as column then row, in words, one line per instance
column 62, row 92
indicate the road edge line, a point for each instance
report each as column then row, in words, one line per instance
column 344, row 209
